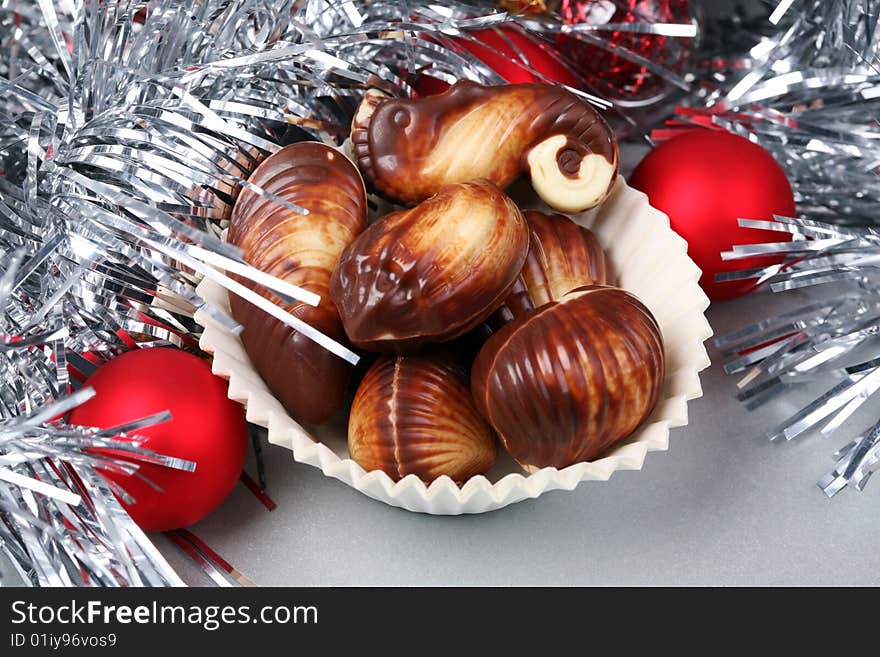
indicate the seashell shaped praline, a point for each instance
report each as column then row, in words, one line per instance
column 563, row 383
column 433, row 272
column 302, row 250
column 563, row 256
column 414, row 415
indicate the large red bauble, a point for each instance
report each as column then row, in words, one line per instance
column 499, row 45
column 501, row 49
column 614, row 75
column 706, row 180
column 206, row 427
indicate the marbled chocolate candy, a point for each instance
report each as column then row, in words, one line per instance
column 433, row 272
column 562, row 256
column 410, row 148
column 563, row 383
column 302, row 250
column 414, row 415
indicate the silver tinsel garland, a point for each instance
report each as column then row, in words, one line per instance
column 126, row 130
column 810, row 94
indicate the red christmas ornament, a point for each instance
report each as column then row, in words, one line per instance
column 497, row 46
column 206, row 427
column 706, row 180
column 612, row 74
column 502, row 48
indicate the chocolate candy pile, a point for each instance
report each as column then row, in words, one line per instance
column 489, row 320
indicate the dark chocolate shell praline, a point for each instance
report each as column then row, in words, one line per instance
column 414, row 415
column 563, row 383
column 409, row 148
column 302, row 250
column 433, row 272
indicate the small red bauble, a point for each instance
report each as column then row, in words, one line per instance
column 206, row 427
column 706, row 180
column 613, row 75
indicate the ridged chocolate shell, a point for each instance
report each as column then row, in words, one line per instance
column 562, row 256
column 433, row 272
column 414, row 415
column 563, row 383
column 303, row 250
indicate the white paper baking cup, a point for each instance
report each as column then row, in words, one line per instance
column 650, row 261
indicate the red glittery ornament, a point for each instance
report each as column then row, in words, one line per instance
column 611, row 73
column 206, row 427
column 706, row 180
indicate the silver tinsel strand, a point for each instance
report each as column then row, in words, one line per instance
column 126, row 130
column 810, row 93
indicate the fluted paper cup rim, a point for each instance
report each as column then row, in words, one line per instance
column 650, row 260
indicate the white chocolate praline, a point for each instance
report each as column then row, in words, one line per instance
column 565, row 193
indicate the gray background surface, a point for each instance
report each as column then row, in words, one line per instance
column 722, row 507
